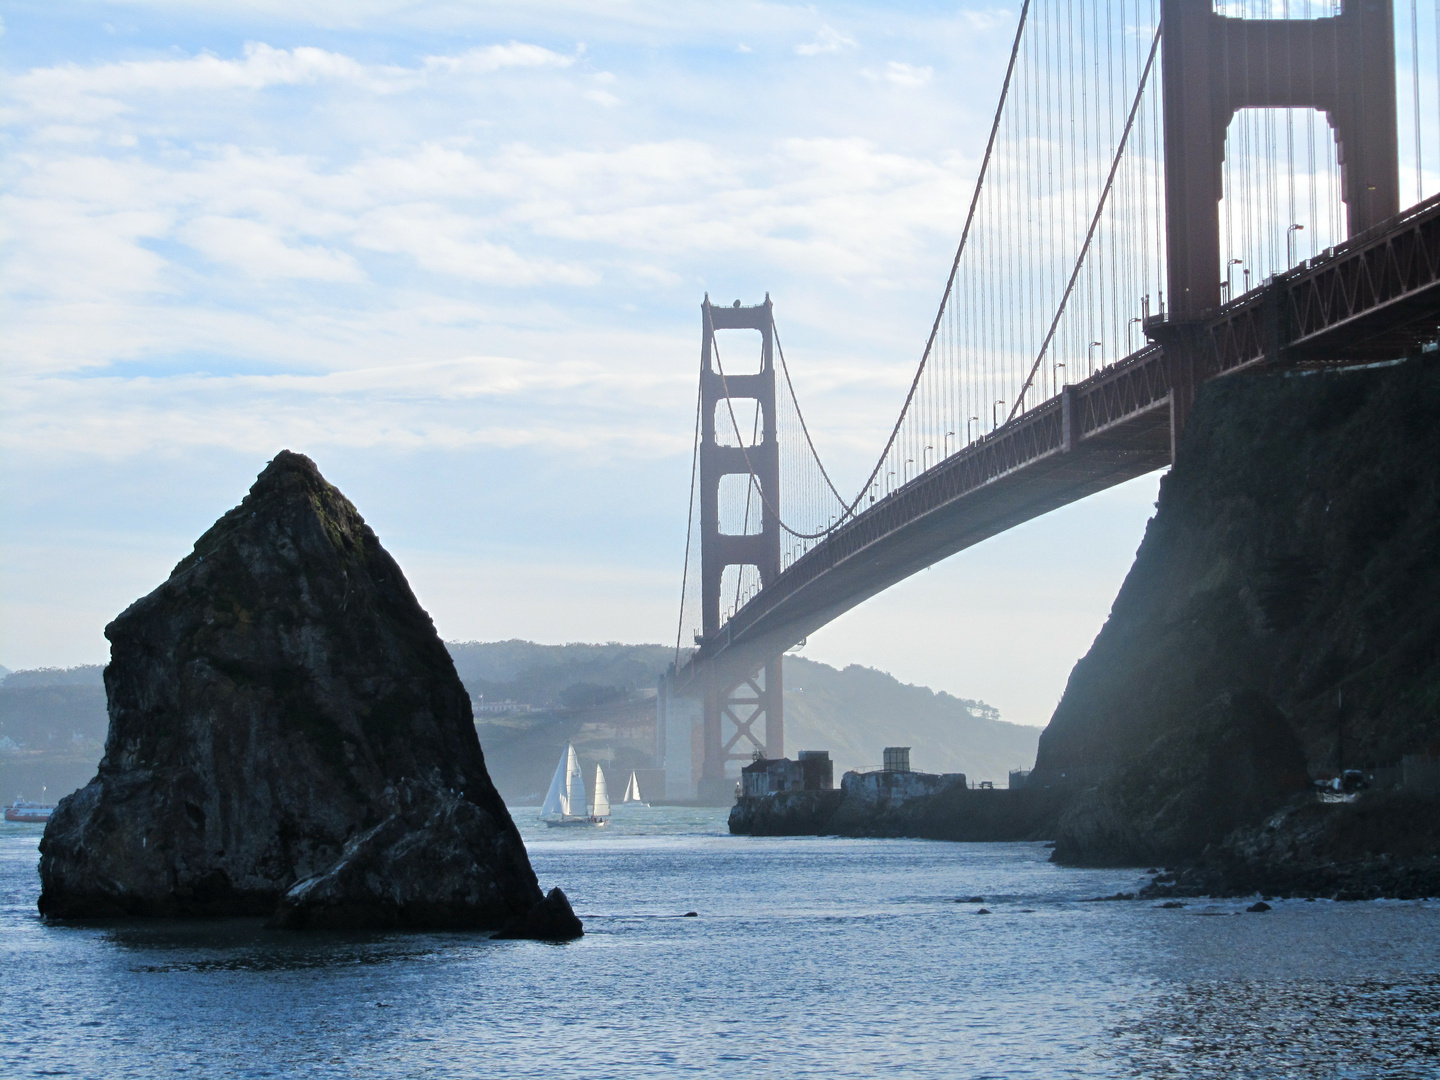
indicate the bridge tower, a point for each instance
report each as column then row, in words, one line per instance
column 1215, row 66
column 733, row 709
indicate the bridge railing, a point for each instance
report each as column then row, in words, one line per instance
column 1302, row 312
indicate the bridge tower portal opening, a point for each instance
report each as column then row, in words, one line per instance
column 745, row 716
column 1214, row 66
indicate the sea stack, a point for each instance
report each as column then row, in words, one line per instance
column 284, row 719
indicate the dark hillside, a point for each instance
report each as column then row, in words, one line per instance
column 1281, row 620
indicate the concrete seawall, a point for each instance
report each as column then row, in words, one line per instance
column 954, row 813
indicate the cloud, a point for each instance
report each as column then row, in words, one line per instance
column 907, row 75
column 494, row 57
column 466, row 402
column 261, row 252
column 97, row 92
column 828, row 40
column 452, row 244
column 122, row 257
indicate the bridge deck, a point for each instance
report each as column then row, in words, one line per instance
column 1376, row 297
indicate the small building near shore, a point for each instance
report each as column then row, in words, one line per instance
column 767, row 776
column 896, row 783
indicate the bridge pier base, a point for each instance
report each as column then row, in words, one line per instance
column 732, row 713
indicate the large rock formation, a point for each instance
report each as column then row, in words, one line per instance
column 282, row 709
column 1282, row 620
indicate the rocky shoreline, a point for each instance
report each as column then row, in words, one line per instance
column 1380, row 845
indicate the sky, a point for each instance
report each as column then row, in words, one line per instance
column 455, row 252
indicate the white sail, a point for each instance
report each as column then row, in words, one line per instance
column 632, row 789
column 554, row 798
column 602, row 794
column 574, row 799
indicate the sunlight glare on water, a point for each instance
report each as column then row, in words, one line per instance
column 808, row 957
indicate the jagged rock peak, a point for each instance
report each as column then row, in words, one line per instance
column 290, row 484
column 265, row 703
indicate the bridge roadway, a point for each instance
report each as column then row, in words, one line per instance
column 1375, row 298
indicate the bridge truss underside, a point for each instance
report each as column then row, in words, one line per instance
column 1374, row 298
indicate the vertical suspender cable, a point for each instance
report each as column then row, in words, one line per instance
column 1094, row 221
column 954, row 266
column 1415, row 81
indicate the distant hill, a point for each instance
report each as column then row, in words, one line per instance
column 567, row 676
column 53, row 722
column 52, row 730
column 857, row 712
column 601, row 698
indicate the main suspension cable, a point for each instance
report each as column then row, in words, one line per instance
column 690, row 524
column 849, row 509
column 745, row 450
column 803, row 426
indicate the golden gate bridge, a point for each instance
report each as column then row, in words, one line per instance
column 1172, row 191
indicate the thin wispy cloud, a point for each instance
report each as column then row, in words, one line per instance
column 827, row 40
column 902, row 74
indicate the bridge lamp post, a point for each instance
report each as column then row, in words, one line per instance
column 925, row 459
column 1089, row 359
column 948, row 436
column 908, row 462
column 1230, row 275
column 969, row 438
column 995, row 414
column 1055, row 374
column 1290, row 243
column 1130, row 334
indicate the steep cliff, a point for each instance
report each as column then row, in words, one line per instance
column 282, row 695
column 1281, row 620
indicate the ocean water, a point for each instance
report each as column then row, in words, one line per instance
column 807, row 957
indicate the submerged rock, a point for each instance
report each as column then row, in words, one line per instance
column 283, row 711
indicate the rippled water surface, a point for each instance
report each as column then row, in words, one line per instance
column 808, row 957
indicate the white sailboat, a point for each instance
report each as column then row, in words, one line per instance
column 602, row 798
column 632, row 792
column 565, row 801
